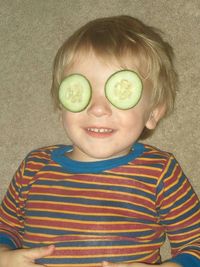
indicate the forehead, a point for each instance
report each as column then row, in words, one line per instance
column 91, row 61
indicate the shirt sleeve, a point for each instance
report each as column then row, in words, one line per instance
column 11, row 212
column 179, row 212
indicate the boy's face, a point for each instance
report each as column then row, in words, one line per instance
column 102, row 131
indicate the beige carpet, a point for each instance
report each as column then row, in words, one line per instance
column 31, row 32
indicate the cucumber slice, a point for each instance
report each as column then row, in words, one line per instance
column 75, row 92
column 123, row 89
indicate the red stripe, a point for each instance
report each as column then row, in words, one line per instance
column 103, row 195
column 87, row 210
column 92, row 226
column 105, row 251
column 100, row 179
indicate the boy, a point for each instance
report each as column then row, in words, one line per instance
column 107, row 200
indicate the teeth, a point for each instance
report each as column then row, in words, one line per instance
column 99, row 130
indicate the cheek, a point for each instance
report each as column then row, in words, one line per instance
column 68, row 117
column 67, row 120
column 131, row 117
column 133, row 122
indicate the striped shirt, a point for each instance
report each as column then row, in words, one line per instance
column 117, row 210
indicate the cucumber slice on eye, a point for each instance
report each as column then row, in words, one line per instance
column 123, row 89
column 75, row 92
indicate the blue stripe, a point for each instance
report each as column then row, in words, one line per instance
column 91, row 243
column 10, row 212
column 39, row 230
column 115, row 188
column 178, row 203
column 72, row 216
column 171, row 167
column 100, row 203
column 180, row 218
column 175, row 187
column 149, row 180
column 186, row 229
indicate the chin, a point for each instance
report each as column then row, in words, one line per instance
column 103, row 155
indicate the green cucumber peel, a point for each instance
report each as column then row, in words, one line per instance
column 75, row 92
column 123, row 89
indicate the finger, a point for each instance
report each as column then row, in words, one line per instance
column 112, row 264
column 37, row 253
column 36, row 265
column 121, row 264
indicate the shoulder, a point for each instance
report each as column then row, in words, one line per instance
column 154, row 157
column 154, row 153
column 32, row 164
column 38, row 158
column 165, row 163
column 43, row 152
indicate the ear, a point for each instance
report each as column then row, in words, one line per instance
column 155, row 116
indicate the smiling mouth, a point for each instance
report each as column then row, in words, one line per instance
column 100, row 130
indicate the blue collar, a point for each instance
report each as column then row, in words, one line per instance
column 59, row 156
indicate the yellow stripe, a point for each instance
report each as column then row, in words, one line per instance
column 88, row 213
column 117, row 208
column 175, row 241
column 177, row 199
column 115, row 178
column 190, row 233
column 170, row 177
column 183, row 221
column 98, row 191
column 82, row 230
column 84, row 223
column 123, row 173
column 183, row 212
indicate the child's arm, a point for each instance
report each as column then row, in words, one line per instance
column 23, row 257
column 179, row 212
column 11, row 227
column 11, row 212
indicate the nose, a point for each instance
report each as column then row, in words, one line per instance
column 99, row 106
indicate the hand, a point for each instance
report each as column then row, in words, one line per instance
column 165, row 264
column 23, row 257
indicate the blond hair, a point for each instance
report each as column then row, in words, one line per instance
column 118, row 36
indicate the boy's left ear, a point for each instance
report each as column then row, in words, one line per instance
column 155, row 117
